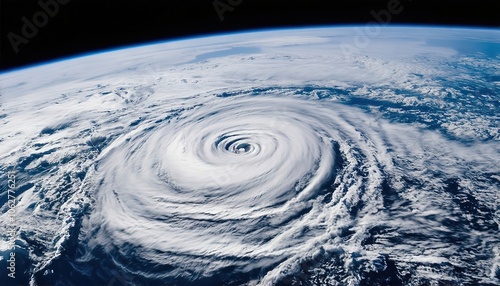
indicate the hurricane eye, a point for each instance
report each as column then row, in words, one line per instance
column 243, row 148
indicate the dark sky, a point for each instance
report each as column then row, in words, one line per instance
column 83, row 26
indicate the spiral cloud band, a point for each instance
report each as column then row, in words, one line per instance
column 243, row 178
column 225, row 180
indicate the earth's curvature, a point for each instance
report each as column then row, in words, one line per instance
column 282, row 157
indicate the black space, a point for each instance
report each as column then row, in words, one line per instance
column 83, row 26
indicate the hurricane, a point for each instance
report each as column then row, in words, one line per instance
column 347, row 169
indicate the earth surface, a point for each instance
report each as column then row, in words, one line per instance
column 360, row 155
